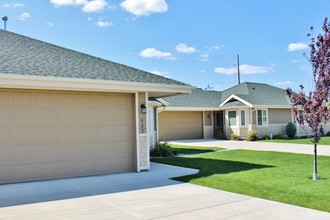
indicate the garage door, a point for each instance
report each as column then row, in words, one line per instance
column 48, row 134
column 180, row 125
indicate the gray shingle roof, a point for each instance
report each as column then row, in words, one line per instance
column 254, row 93
column 258, row 94
column 198, row 98
column 26, row 56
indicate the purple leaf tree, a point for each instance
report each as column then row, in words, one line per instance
column 312, row 108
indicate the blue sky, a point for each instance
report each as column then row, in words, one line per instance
column 194, row 41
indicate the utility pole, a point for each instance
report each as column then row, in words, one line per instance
column 238, row 73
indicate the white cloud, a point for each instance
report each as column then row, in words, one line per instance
column 24, row 16
column 204, row 57
column 294, row 61
column 245, row 69
column 214, row 47
column 50, row 24
column 159, row 73
column 284, row 83
column 95, row 6
column 88, row 6
column 13, row 5
column 184, row 48
column 144, row 7
column 297, row 46
column 68, row 2
column 153, row 53
column 103, row 24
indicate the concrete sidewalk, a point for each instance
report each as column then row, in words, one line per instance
column 258, row 145
column 146, row 195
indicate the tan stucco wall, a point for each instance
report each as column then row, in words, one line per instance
column 279, row 116
column 270, row 129
column 175, row 125
column 51, row 134
column 207, row 118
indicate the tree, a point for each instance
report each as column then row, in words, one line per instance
column 313, row 108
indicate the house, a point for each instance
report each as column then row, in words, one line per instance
column 66, row 114
column 239, row 109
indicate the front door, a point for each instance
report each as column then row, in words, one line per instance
column 218, row 123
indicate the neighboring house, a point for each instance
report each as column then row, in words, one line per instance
column 66, row 114
column 239, row 109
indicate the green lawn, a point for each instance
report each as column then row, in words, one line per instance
column 181, row 149
column 282, row 177
column 323, row 141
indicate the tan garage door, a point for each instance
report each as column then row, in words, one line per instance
column 47, row 134
column 180, row 125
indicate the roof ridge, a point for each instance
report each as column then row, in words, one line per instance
column 107, row 69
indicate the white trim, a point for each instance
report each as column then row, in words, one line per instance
column 190, row 109
column 250, row 119
column 157, row 127
column 162, row 101
column 148, row 129
column 272, row 106
column 137, row 132
column 240, row 113
column 153, row 104
column 237, row 98
column 78, row 84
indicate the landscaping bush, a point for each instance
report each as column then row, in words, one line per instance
column 327, row 134
column 234, row 137
column 221, row 136
column 291, row 130
column 162, row 149
column 278, row 136
column 265, row 137
column 252, row 136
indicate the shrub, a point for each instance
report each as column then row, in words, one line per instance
column 328, row 133
column 162, row 149
column 252, row 136
column 291, row 130
column 265, row 137
column 234, row 137
column 221, row 136
column 278, row 136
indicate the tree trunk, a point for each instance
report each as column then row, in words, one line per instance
column 315, row 162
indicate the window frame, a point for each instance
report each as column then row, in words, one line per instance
column 243, row 110
column 236, row 125
column 262, row 116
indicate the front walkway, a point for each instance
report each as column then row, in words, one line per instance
column 146, row 195
column 257, row 145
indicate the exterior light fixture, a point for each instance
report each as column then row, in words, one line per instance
column 143, row 109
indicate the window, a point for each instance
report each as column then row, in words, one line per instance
column 262, row 117
column 243, row 120
column 232, row 118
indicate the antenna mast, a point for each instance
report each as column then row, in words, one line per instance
column 238, row 73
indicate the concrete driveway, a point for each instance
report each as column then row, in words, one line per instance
column 258, row 145
column 146, row 195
